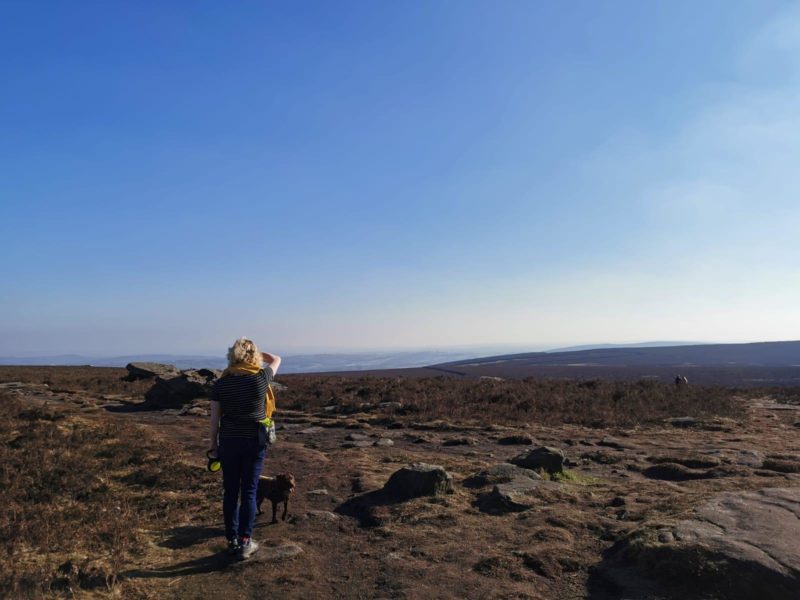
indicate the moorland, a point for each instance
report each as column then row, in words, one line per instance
column 659, row 491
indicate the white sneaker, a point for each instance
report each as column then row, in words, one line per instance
column 247, row 549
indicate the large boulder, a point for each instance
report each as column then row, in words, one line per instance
column 150, row 370
column 736, row 546
column 545, row 458
column 186, row 386
column 418, row 479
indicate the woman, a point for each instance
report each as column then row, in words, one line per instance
column 238, row 437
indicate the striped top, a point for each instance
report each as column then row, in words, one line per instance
column 242, row 400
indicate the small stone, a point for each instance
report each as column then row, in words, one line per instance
column 390, row 405
column 610, row 442
column 319, row 492
column 666, row 537
column 360, row 444
column 323, row 515
column 683, row 422
column 510, row 440
column 356, row 437
column 384, row 442
column 459, row 441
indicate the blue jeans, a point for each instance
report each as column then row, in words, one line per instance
column 242, row 460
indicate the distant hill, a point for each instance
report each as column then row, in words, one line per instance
column 741, row 365
column 763, row 354
column 639, row 345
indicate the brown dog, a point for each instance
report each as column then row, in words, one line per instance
column 276, row 489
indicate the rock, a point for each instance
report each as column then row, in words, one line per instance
column 359, row 444
column 150, row 370
column 500, row 473
column 513, row 496
column 418, row 479
column 12, row 385
column 418, row 439
column 781, row 466
column 281, row 552
column 610, row 442
column 178, row 390
column 510, row 440
column 674, row 472
column 311, row 430
column 737, row 546
column 323, row 515
column 356, row 437
column 603, row 458
column 318, row 492
column 683, row 422
column 390, row 405
column 459, row 441
column 689, row 460
column 384, row 443
column 197, row 411
column 546, row 458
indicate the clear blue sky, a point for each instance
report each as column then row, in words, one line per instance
column 347, row 175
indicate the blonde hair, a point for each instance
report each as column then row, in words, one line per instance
column 245, row 351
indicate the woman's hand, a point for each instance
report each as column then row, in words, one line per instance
column 272, row 360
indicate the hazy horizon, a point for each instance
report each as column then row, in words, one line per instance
column 470, row 350
column 385, row 176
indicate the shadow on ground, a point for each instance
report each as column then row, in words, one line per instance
column 189, row 535
column 205, row 564
column 365, row 508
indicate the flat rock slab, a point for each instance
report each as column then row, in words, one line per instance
column 149, row 370
column 500, row 473
column 311, row 430
column 737, row 546
column 513, row 496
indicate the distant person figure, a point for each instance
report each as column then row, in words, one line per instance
column 681, row 381
column 239, row 437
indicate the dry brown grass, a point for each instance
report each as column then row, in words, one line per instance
column 595, row 403
column 91, row 380
column 79, row 496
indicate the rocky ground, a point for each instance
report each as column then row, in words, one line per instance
column 688, row 508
